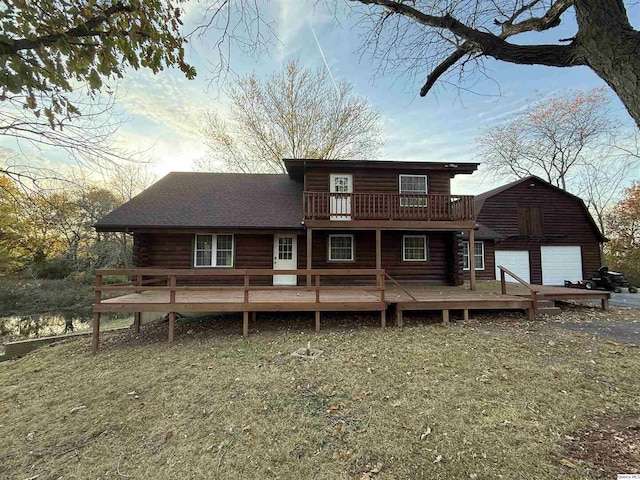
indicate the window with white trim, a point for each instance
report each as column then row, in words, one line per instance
column 213, row 250
column 341, row 248
column 413, row 186
column 478, row 255
column 415, row 248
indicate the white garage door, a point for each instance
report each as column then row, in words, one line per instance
column 560, row 264
column 515, row 260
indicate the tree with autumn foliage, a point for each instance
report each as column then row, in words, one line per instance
column 60, row 61
column 622, row 252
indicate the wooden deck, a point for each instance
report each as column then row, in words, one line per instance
column 281, row 300
column 146, row 294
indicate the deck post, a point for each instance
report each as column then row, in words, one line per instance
column 172, row 291
column 503, row 282
column 95, row 343
column 472, row 260
column 172, row 323
column 398, row 316
column 245, row 324
column 465, row 314
column 317, row 320
column 605, row 303
column 137, row 320
column 531, row 314
column 309, row 254
column 378, row 249
column 383, row 318
column 445, row 317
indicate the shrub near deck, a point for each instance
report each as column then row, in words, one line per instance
column 485, row 399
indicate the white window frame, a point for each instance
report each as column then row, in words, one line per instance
column 353, row 248
column 214, row 250
column 465, row 243
column 403, row 201
column 425, row 242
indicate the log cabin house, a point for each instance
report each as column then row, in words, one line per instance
column 227, row 242
column 322, row 214
column 540, row 232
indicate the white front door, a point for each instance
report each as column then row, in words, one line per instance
column 560, row 263
column 285, row 257
column 341, row 188
column 517, row 261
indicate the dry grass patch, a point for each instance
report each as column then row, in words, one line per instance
column 485, row 399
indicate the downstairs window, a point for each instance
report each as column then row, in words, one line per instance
column 478, row 255
column 214, row 250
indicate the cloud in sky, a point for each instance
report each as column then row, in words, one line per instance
column 165, row 111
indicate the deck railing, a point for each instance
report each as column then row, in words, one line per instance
column 388, row 206
column 532, row 290
column 175, row 281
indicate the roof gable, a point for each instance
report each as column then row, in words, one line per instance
column 483, row 197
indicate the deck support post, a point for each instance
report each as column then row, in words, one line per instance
column 472, row 260
column 465, row 314
column 172, row 324
column 605, row 304
column 137, row 320
column 317, row 320
column 245, row 324
column 95, row 343
column 383, row 318
column 309, row 254
column 379, row 249
column 398, row 316
column 445, row 317
column 531, row 314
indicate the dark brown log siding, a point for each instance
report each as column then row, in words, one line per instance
column 377, row 181
column 565, row 222
column 256, row 251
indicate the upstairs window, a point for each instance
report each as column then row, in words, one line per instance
column 478, row 255
column 530, row 220
column 214, row 250
column 412, row 186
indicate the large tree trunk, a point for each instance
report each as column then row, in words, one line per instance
column 611, row 48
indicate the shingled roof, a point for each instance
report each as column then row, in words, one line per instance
column 211, row 200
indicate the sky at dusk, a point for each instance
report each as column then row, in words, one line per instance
column 164, row 112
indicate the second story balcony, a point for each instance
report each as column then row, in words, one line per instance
column 387, row 209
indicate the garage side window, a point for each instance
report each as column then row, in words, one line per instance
column 478, row 255
column 213, row 250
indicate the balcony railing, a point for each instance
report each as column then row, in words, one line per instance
column 387, row 206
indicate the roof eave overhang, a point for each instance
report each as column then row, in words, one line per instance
column 133, row 228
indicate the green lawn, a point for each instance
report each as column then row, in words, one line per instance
column 489, row 399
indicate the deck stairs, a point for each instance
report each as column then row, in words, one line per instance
column 548, row 307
